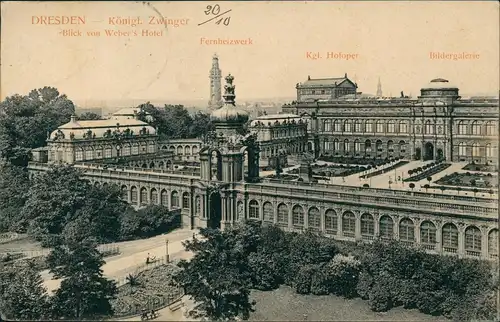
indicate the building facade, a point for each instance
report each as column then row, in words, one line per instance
column 324, row 88
column 437, row 124
column 222, row 194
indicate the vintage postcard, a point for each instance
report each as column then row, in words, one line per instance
column 249, row 160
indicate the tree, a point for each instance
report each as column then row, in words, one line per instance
column 14, row 184
column 87, row 116
column 84, row 293
column 429, row 179
column 26, row 120
column 217, row 277
column 412, row 186
column 426, row 186
column 442, row 188
column 61, row 205
column 23, row 297
column 146, row 222
column 201, row 125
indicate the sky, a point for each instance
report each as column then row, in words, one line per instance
column 390, row 40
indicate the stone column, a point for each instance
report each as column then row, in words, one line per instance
column 306, row 218
column 339, row 223
column 290, row 224
column 376, row 223
column 461, row 239
column 484, row 242
column 417, row 222
column 357, row 234
column 439, row 238
column 223, row 222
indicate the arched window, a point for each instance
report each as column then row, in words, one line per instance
column 98, row 152
column 179, row 150
column 283, row 214
column 473, row 241
column 125, row 150
column 490, row 129
column 186, row 200
column 124, row 193
column 268, row 212
column 89, row 154
column 402, row 146
column 298, row 216
column 79, row 154
column 493, row 243
column 429, row 127
column 403, row 127
column 151, row 147
column 386, row 227
column 347, row 126
column 348, row 224
column 154, row 196
column 462, row 149
column 135, row 149
column 391, row 127
column 428, row 234
column 357, row 126
column 450, row 238
column 390, row 146
column 336, row 144
column 369, row 126
column 337, row 126
column 367, row 225
column 164, row 198
column 357, row 146
column 144, row 196
column 368, row 146
column 489, row 151
column 253, row 212
column 331, row 222
column 195, row 150
column 133, row 195
column 462, row 127
column 175, row 199
column 378, row 146
column 346, row 145
column 476, row 128
column 327, row 125
column 379, row 126
column 406, row 230
column 187, row 150
column 476, row 150
column 314, row 219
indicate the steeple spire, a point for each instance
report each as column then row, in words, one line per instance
column 215, row 84
column 379, row 88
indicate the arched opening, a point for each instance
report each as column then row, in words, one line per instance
column 215, row 215
column 309, row 146
column 440, row 154
column 169, row 165
column 418, row 154
column 428, row 151
column 144, row 166
column 215, row 165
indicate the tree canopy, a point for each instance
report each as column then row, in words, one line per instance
column 89, row 116
column 174, row 121
column 25, row 121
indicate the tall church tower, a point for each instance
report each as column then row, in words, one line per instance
column 215, row 84
column 379, row 88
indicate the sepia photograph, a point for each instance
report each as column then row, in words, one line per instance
column 249, row 160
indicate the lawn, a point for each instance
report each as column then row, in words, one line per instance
column 284, row 304
column 469, row 180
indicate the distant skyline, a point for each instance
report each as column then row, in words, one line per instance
column 392, row 40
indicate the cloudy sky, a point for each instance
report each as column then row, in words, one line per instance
column 392, row 40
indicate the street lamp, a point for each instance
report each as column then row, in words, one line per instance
column 166, row 250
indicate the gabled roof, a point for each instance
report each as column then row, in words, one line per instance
column 335, row 81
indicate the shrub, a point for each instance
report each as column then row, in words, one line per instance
column 320, row 281
column 379, row 298
column 344, row 275
column 303, row 279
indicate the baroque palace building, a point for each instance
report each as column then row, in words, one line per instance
column 228, row 188
column 437, row 124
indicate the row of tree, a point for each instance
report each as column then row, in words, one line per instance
column 60, row 205
column 228, row 264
